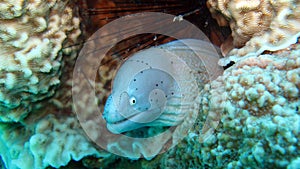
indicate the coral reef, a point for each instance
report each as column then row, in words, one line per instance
column 257, row 25
column 256, row 99
column 52, row 141
column 35, row 39
column 32, row 36
column 260, row 119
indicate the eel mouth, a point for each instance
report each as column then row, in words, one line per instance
column 141, row 117
column 122, row 120
column 135, row 121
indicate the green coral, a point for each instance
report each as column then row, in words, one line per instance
column 52, row 141
column 260, row 121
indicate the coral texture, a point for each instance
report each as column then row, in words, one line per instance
column 51, row 141
column 35, row 39
column 256, row 100
column 259, row 124
column 258, row 25
column 32, row 34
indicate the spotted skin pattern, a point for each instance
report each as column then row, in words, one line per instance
column 145, row 87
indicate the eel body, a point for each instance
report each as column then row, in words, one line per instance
column 159, row 86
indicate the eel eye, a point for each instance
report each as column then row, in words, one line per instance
column 132, row 101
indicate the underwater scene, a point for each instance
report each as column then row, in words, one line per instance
column 149, row 84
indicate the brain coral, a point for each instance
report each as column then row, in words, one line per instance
column 258, row 25
column 32, row 35
column 259, row 126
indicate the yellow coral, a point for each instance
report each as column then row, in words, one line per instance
column 247, row 18
column 258, row 25
column 10, row 9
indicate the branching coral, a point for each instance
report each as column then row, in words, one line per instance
column 258, row 25
column 260, row 119
column 32, row 35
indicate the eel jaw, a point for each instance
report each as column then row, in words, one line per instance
column 136, row 121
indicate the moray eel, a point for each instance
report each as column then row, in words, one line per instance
column 159, row 86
